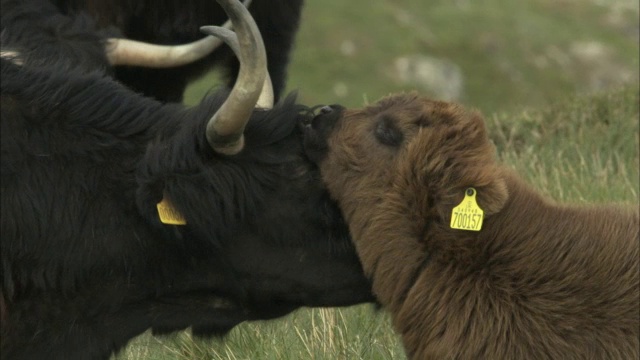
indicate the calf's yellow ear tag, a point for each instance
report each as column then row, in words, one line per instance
column 168, row 213
column 467, row 215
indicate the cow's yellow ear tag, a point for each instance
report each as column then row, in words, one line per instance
column 168, row 213
column 467, row 215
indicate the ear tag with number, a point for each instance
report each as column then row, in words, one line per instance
column 467, row 215
column 169, row 214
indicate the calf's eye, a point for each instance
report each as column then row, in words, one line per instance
column 387, row 132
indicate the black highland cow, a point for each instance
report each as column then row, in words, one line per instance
column 86, row 262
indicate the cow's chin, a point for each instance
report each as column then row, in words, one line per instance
column 278, row 277
column 272, row 297
column 209, row 315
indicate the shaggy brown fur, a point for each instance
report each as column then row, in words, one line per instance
column 539, row 281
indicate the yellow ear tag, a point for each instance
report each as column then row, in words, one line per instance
column 169, row 214
column 467, row 215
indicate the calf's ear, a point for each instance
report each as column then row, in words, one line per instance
column 448, row 160
column 483, row 172
column 491, row 192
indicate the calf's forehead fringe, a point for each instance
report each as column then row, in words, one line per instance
column 416, row 108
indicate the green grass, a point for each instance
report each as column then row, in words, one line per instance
column 583, row 149
column 358, row 332
column 512, row 54
column 541, row 106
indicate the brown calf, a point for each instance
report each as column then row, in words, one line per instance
column 539, row 280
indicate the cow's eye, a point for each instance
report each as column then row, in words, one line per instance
column 387, row 132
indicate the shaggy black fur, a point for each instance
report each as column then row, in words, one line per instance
column 86, row 264
column 178, row 22
column 42, row 34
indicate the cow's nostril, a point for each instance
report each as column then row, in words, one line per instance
column 326, row 109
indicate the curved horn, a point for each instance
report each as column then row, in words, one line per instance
column 137, row 53
column 265, row 101
column 12, row 55
column 224, row 129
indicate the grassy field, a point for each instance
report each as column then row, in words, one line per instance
column 557, row 81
